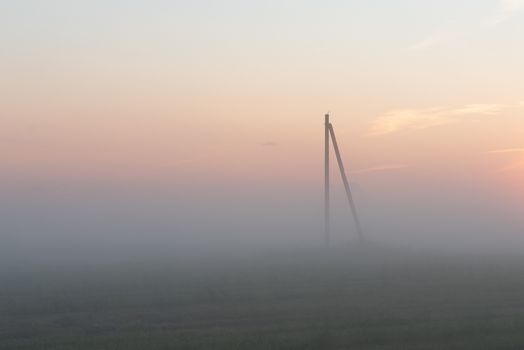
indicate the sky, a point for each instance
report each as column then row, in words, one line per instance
column 204, row 112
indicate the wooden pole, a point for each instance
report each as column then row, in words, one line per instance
column 326, row 181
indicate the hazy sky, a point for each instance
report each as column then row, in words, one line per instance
column 203, row 97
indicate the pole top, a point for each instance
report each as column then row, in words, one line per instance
column 326, row 116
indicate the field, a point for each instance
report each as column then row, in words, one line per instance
column 358, row 298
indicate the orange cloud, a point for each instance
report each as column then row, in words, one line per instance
column 384, row 167
column 507, row 150
column 416, row 119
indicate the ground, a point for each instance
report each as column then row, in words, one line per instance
column 341, row 299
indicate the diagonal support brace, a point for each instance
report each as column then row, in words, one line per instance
column 346, row 184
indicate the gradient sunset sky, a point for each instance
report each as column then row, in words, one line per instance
column 199, row 95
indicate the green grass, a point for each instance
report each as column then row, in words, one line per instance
column 347, row 299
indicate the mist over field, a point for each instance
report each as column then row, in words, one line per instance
column 163, row 174
column 65, row 224
column 225, row 267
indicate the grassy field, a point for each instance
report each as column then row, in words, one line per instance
column 345, row 299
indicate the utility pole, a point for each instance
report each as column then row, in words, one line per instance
column 330, row 133
column 326, row 180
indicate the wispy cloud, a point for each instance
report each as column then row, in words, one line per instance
column 269, row 144
column 384, row 167
column 506, row 10
column 507, row 150
column 183, row 162
column 516, row 164
column 433, row 39
column 417, row 119
column 198, row 158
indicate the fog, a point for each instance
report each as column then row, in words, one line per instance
column 162, row 173
column 75, row 224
